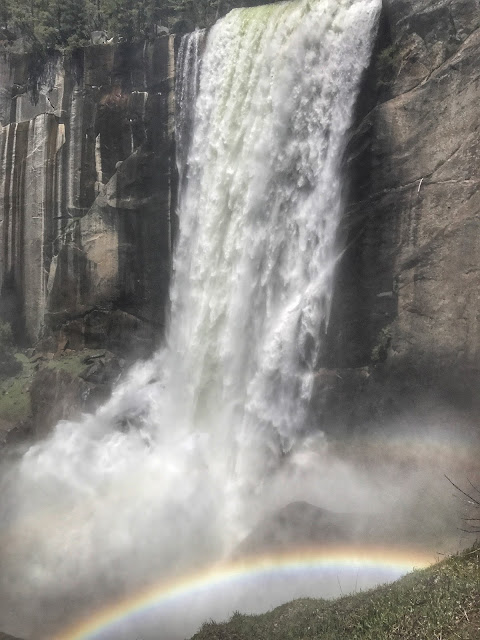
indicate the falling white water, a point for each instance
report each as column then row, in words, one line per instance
column 253, row 269
column 95, row 510
column 187, row 86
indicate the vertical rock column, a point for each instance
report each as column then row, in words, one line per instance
column 14, row 152
column 38, row 216
column 28, row 152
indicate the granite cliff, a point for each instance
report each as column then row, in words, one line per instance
column 87, row 207
column 88, row 188
column 405, row 324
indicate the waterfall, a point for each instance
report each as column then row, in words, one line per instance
column 168, row 474
column 254, row 265
column 186, row 91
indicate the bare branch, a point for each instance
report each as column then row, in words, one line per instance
column 473, row 486
column 474, row 500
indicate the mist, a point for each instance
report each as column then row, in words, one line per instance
column 93, row 516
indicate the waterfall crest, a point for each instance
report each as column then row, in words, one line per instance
column 168, row 473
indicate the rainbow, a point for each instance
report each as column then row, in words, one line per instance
column 374, row 560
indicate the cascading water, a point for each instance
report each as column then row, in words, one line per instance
column 187, row 87
column 212, row 414
column 253, row 269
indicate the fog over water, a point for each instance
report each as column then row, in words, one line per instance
column 200, row 444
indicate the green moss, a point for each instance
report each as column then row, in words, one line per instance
column 442, row 601
column 74, row 363
column 14, row 392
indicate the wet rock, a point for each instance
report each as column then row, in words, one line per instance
column 20, row 434
column 68, row 386
column 57, row 395
column 103, row 369
column 91, row 157
column 296, row 525
column 412, row 227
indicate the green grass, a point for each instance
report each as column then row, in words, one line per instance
column 73, row 363
column 15, row 403
column 438, row 603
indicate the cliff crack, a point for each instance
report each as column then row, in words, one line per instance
column 446, row 64
column 415, row 311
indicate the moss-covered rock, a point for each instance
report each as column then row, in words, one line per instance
column 50, row 387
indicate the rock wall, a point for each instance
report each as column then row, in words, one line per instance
column 87, row 194
column 406, row 317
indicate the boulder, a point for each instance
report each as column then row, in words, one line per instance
column 298, row 524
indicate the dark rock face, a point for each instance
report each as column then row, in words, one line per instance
column 87, row 195
column 407, row 299
column 58, row 394
column 299, row 524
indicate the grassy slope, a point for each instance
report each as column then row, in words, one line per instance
column 438, row 603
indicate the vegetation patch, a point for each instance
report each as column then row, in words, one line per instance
column 42, row 25
column 442, row 601
column 15, row 405
column 15, row 392
column 73, row 363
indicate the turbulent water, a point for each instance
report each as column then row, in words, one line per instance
column 95, row 509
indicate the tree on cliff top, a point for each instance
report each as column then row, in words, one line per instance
column 51, row 24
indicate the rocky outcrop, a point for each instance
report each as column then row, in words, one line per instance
column 297, row 525
column 50, row 387
column 58, row 393
column 406, row 302
column 88, row 194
